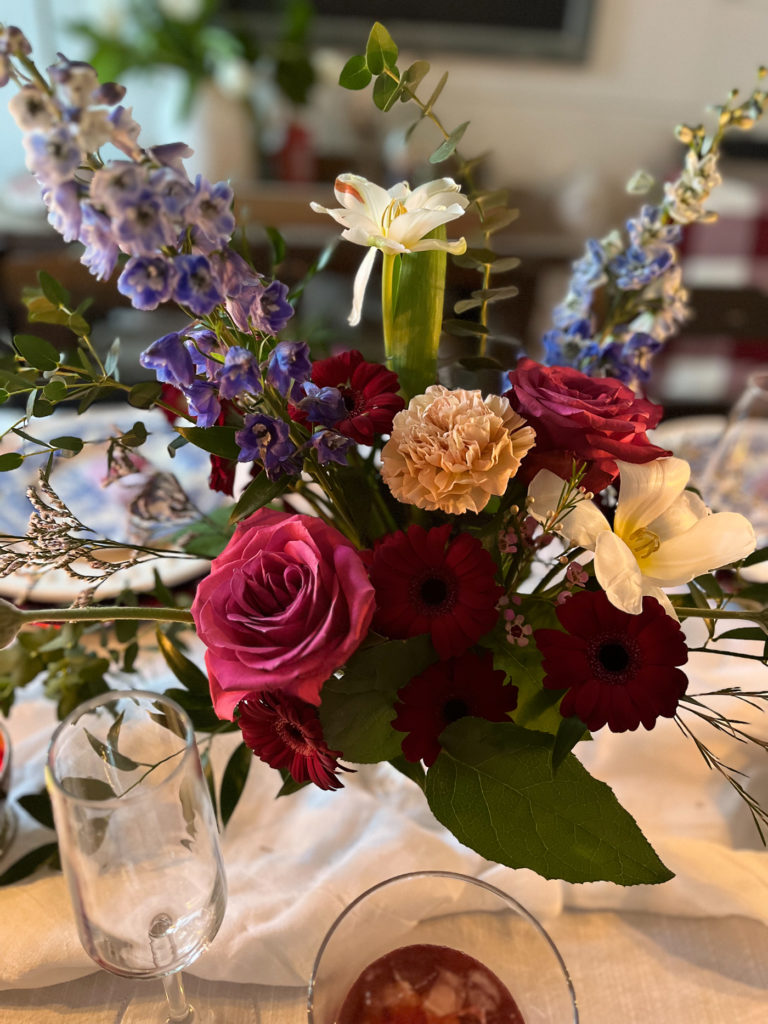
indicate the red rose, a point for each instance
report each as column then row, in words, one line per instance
column 593, row 420
column 285, row 604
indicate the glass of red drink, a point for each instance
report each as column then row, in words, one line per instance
column 436, row 947
column 7, row 817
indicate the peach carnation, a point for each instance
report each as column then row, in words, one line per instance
column 451, row 450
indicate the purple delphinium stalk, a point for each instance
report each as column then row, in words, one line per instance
column 117, row 186
column 125, row 132
column 289, row 364
column 331, row 446
column 174, row 190
column 240, row 373
column 147, row 281
column 203, row 402
column 76, row 80
column 196, row 285
column 267, row 441
column 170, row 360
column 32, row 109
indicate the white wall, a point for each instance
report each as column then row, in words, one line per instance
column 652, row 64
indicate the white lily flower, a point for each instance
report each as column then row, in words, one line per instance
column 662, row 536
column 395, row 220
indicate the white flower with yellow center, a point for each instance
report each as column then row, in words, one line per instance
column 395, row 220
column 662, row 536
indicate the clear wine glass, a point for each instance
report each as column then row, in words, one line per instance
column 138, row 838
column 735, row 478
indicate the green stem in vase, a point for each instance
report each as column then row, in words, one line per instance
column 412, row 295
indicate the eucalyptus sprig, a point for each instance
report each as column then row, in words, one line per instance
column 379, row 65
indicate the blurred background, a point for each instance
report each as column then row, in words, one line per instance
column 568, row 98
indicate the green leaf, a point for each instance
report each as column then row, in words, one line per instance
column 355, row 74
column 38, row 806
column 380, row 50
column 571, row 731
column 93, row 395
column 4, row 396
column 70, row 444
column 136, row 436
column 216, row 440
column 761, row 555
column 199, row 709
column 448, row 147
column 385, row 92
column 463, row 328
column 234, row 780
column 412, row 76
column 11, row 460
column 494, row 787
column 357, row 706
column 37, row 351
column 278, row 245
column 55, row 390
column 743, row 633
column 145, row 394
column 88, row 789
column 498, row 219
column 290, row 785
column 438, row 89
column 113, row 356
column 193, row 678
column 259, row 492
column 710, row 586
column 413, row 771
column 176, row 443
column 53, row 290
column 30, row 862
column 110, row 755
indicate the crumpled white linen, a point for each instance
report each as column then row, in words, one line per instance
column 294, row 863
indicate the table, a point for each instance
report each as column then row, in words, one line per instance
column 635, row 968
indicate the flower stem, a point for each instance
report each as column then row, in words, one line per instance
column 104, row 613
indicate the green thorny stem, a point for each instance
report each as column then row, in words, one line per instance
column 466, row 171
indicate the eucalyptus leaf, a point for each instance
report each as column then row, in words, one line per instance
column 494, row 786
column 436, row 93
column 111, row 755
column 412, row 76
column 144, row 394
column 88, row 789
column 38, row 806
column 448, row 147
column 355, row 74
column 69, row 443
column 4, row 396
column 53, row 290
column 385, row 92
column 259, row 492
column 461, row 328
column 380, row 50
column 11, row 460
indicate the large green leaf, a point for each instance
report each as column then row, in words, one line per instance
column 216, row 440
column 494, row 787
column 356, row 711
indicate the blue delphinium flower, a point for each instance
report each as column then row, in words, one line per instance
column 267, row 441
column 64, row 213
column 196, row 286
column 203, row 401
column 142, row 227
column 53, row 156
column 200, row 343
column 289, row 364
column 637, row 266
column 322, row 405
column 331, row 446
column 276, row 310
column 210, row 213
column 240, row 373
column 101, row 250
column 116, row 186
column 174, row 190
column 147, row 281
column 170, row 360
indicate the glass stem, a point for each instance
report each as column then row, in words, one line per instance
column 179, row 1010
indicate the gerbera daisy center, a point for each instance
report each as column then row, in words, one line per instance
column 435, row 593
column 614, row 657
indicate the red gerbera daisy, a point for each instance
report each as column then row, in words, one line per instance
column 619, row 669
column 369, row 391
column 285, row 732
column 446, row 691
column 426, row 583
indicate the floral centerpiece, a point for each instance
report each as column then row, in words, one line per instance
column 463, row 584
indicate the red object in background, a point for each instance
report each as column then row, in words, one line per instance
column 426, row 984
column 295, row 161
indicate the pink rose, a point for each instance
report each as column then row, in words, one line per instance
column 286, row 603
column 593, row 420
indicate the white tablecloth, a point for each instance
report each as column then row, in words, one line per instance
column 693, row 949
